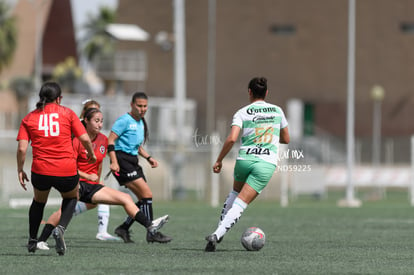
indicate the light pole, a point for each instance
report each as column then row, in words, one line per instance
column 38, row 52
column 350, row 200
column 211, row 67
column 39, row 7
column 179, row 93
column 377, row 95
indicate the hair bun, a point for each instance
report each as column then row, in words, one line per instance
column 262, row 81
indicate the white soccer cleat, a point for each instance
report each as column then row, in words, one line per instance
column 107, row 237
column 42, row 246
column 157, row 224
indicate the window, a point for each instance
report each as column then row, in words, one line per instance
column 282, row 29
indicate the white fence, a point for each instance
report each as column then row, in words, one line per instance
column 323, row 178
column 289, row 181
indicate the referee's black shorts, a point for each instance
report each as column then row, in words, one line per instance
column 129, row 169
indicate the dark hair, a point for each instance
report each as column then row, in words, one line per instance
column 48, row 93
column 87, row 105
column 258, row 86
column 89, row 113
column 141, row 95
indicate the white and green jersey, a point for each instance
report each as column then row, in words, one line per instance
column 260, row 123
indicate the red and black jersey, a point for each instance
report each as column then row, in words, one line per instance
column 99, row 144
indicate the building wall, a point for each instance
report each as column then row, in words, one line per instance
column 54, row 18
column 28, row 15
column 59, row 36
column 310, row 64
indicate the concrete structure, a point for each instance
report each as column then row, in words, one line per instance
column 52, row 22
column 299, row 45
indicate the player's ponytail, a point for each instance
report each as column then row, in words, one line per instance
column 49, row 92
column 145, row 129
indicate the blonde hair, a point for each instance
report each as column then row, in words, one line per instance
column 87, row 104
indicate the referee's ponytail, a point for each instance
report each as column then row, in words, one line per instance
column 141, row 95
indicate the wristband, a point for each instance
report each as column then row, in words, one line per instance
column 111, row 148
column 148, row 158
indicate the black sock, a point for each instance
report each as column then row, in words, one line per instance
column 129, row 221
column 142, row 219
column 68, row 207
column 35, row 217
column 46, row 232
column 146, row 207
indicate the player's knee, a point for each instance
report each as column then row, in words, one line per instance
column 125, row 198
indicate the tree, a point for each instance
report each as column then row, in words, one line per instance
column 67, row 74
column 8, row 35
column 97, row 41
column 22, row 86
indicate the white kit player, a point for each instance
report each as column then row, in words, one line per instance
column 262, row 127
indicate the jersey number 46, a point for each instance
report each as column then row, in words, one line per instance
column 49, row 124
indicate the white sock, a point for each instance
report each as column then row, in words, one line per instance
column 231, row 218
column 228, row 203
column 79, row 208
column 103, row 218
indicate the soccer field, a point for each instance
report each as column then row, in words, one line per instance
column 308, row 237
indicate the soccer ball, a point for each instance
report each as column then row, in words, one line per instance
column 253, row 239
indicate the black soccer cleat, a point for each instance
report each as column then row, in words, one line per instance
column 31, row 245
column 123, row 234
column 211, row 243
column 157, row 237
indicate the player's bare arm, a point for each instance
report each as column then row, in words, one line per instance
column 153, row 162
column 86, row 142
column 284, row 136
column 21, row 157
column 228, row 144
column 114, row 166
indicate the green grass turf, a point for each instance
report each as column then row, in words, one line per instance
column 307, row 237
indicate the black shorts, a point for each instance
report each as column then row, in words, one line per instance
column 62, row 184
column 129, row 169
column 87, row 190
